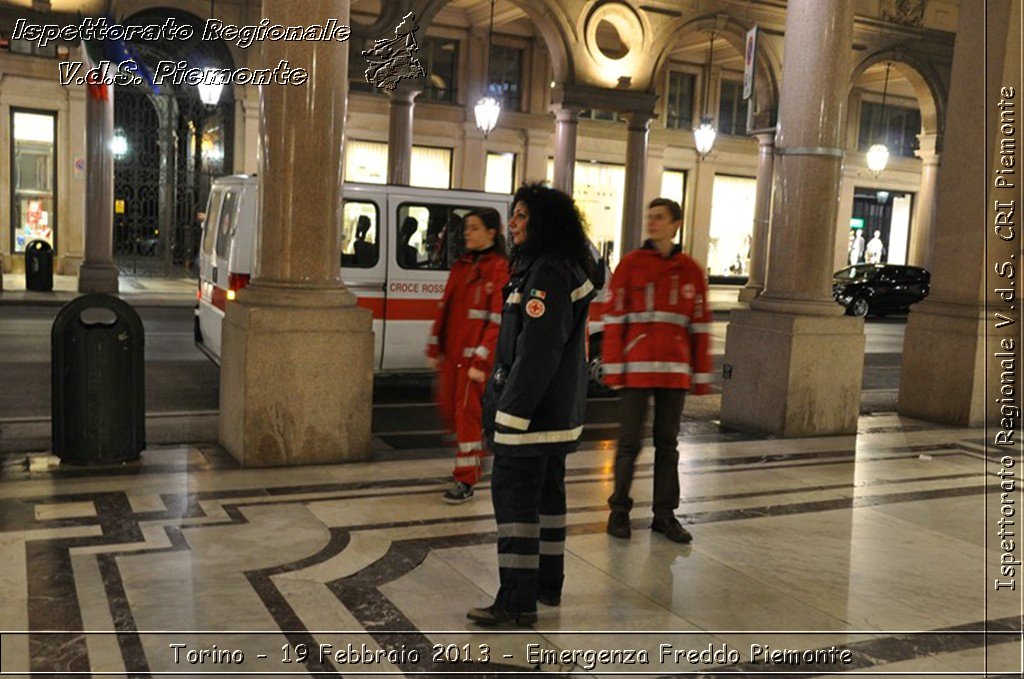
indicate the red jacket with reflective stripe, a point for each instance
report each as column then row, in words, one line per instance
column 657, row 325
column 468, row 316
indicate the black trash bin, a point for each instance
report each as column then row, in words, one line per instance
column 39, row 266
column 98, row 374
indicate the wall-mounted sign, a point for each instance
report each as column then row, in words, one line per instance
column 749, row 61
column 119, row 207
column 856, row 223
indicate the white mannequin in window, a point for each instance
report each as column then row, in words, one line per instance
column 873, row 253
column 856, row 247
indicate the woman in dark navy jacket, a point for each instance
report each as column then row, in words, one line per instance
column 534, row 403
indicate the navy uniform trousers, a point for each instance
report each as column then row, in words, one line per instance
column 528, row 492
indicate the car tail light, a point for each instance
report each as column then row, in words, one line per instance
column 236, row 281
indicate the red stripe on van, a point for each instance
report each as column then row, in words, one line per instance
column 219, row 297
column 401, row 309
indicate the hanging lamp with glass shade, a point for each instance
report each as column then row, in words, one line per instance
column 878, row 154
column 488, row 108
column 704, row 134
column 211, row 85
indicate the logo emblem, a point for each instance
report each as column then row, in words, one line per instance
column 689, row 291
column 535, row 308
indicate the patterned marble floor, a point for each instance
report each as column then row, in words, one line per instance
column 868, row 554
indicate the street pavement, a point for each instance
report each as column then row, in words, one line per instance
column 182, row 385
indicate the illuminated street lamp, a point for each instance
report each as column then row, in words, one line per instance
column 878, row 154
column 119, row 145
column 487, row 109
column 704, row 134
column 210, row 87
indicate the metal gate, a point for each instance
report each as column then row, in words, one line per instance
column 168, row 148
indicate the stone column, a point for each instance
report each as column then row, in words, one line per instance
column 762, row 213
column 631, row 235
column 297, row 353
column 567, row 119
column 951, row 347
column 922, row 235
column 400, row 111
column 793, row 362
column 98, row 273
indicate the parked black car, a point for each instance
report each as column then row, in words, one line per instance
column 879, row 288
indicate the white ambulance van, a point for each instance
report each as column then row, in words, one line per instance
column 398, row 244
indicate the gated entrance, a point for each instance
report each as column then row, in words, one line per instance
column 168, row 147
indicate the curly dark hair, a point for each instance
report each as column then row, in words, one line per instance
column 555, row 226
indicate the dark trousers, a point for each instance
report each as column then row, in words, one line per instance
column 668, row 410
column 529, row 507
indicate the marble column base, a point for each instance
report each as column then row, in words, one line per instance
column 793, row 375
column 945, row 360
column 296, row 378
column 98, row 278
column 749, row 293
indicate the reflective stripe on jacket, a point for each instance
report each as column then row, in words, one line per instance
column 657, row 326
column 537, row 395
column 465, row 329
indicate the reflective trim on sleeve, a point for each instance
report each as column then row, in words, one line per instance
column 432, row 339
column 494, row 318
column 700, row 328
column 514, row 297
column 468, row 352
column 482, row 351
column 659, row 317
column 522, row 561
column 518, row 530
column 469, row 447
column 552, row 547
column 552, row 520
column 477, row 314
column 703, row 378
column 615, row 320
column 507, row 420
column 646, row 367
column 582, row 291
column 558, row 436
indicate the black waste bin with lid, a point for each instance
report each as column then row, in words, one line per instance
column 39, row 266
column 98, row 375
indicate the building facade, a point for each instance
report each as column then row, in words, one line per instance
column 613, row 73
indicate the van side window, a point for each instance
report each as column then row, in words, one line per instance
column 360, row 238
column 226, row 219
column 210, row 224
column 429, row 236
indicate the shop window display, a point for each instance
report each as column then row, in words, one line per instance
column 367, row 162
column 732, row 226
column 598, row 189
column 34, row 182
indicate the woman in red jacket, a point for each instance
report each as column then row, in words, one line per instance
column 462, row 342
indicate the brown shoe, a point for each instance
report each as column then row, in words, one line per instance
column 492, row 616
column 672, row 529
column 619, row 525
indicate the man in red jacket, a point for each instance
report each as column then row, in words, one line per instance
column 656, row 343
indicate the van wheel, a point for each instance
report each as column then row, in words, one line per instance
column 595, row 369
column 859, row 307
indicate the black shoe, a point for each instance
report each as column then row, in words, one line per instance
column 672, row 529
column 459, row 493
column 492, row 616
column 549, row 599
column 619, row 526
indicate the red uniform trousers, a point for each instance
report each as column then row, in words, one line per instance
column 461, row 413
